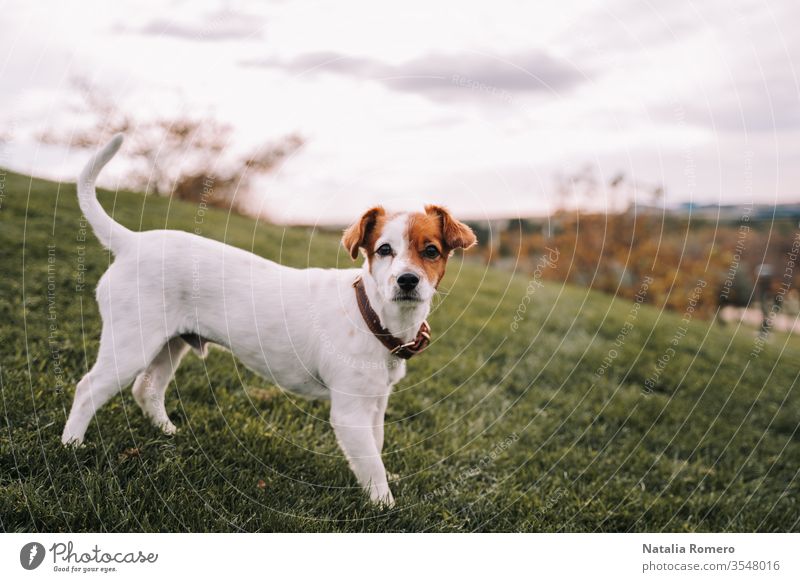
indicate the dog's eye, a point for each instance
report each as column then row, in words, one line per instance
column 384, row 250
column 431, row 252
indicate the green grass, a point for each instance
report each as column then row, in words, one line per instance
column 491, row 430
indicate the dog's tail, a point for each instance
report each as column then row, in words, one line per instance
column 110, row 233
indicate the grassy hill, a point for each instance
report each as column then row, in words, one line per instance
column 496, row 428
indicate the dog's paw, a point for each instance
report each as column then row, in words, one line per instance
column 387, row 502
column 384, row 500
column 71, row 441
column 168, row 428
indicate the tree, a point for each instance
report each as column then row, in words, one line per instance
column 182, row 156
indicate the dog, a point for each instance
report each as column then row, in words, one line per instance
column 337, row 334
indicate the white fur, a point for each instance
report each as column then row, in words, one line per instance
column 299, row 328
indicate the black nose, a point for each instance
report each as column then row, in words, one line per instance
column 407, row 281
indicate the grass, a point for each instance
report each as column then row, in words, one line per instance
column 492, row 429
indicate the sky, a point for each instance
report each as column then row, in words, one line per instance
column 476, row 105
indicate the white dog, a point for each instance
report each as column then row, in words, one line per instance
column 339, row 334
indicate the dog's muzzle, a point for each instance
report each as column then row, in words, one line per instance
column 397, row 347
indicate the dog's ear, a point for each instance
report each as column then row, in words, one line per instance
column 455, row 234
column 355, row 236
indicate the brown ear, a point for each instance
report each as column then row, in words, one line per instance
column 456, row 234
column 355, row 236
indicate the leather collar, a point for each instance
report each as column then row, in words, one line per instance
column 397, row 347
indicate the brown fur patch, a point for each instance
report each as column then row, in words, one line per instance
column 424, row 230
column 363, row 233
column 456, row 234
column 437, row 227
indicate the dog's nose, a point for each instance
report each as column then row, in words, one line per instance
column 407, row 281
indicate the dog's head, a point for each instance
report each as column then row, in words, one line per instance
column 407, row 253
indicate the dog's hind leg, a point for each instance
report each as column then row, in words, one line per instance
column 113, row 370
column 151, row 385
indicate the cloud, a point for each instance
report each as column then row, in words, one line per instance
column 212, row 27
column 445, row 76
column 755, row 107
column 762, row 97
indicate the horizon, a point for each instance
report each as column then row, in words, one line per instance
column 680, row 208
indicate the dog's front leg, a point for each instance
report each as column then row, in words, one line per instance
column 378, row 420
column 353, row 421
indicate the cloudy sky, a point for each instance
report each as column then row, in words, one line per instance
column 475, row 105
